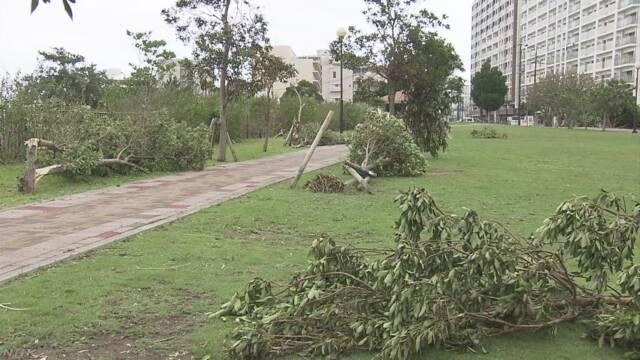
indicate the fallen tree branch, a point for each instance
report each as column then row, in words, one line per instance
column 7, row 307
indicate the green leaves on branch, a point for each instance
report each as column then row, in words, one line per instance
column 384, row 139
column 451, row 281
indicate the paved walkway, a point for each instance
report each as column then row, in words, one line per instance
column 37, row 235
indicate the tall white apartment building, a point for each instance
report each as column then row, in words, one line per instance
column 494, row 37
column 595, row 37
column 600, row 38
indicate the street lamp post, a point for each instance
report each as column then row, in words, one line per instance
column 637, row 114
column 341, row 34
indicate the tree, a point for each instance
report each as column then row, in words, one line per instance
column 488, row 88
column 157, row 62
column 65, row 76
column 266, row 70
column 305, row 89
column 226, row 35
column 611, row 99
column 431, row 88
column 385, row 49
column 65, row 3
column 566, row 97
column 369, row 90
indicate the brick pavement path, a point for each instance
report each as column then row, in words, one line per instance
column 36, row 235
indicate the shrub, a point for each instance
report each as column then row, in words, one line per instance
column 487, row 133
column 309, row 131
column 387, row 140
column 154, row 141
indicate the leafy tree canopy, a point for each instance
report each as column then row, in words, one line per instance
column 489, row 88
column 612, row 99
column 369, row 90
column 65, row 76
column 432, row 89
column 305, row 89
column 385, row 49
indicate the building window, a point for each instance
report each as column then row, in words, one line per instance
column 334, row 75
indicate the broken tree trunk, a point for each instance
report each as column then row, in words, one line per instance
column 370, row 167
column 287, row 141
column 364, row 182
column 32, row 175
column 233, row 150
column 307, row 158
column 28, row 182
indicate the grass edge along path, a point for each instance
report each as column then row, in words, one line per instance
column 56, row 186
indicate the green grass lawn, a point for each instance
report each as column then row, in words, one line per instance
column 53, row 186
column 149, row 296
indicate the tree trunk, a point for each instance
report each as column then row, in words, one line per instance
column 28, row 181
column 392, row 99
column 267, row 123
column 222, row 150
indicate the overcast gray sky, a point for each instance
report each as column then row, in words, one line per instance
column 98, row 28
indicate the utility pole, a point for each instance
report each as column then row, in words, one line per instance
column 637, row 114
column 535, row 67
column 520, row 83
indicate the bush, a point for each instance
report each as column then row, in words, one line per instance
column 487, row 132
column 387, row 140
column 309, row 131
column 154, row 141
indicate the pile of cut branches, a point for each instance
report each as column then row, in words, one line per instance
column 322, row 183
column 450, row 282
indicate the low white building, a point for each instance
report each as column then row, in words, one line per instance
column 317, row 69
column 331, row 83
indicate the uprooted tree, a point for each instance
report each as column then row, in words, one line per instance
column 86, row 142
column 383, row 142
column 450, row 282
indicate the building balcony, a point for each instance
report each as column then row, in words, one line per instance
column 574, row 7
column 625, row 60
column 602, row 30
column 627, row 21
column 603, row 64
column 588, row 35
column 572, row 55
column 625, row 76
column 605, row 47
column 625, row 3
column 606, row 11
column 627, row 40
column 589, row 18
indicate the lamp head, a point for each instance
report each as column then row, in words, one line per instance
column 638, row 66
column 341, row 33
